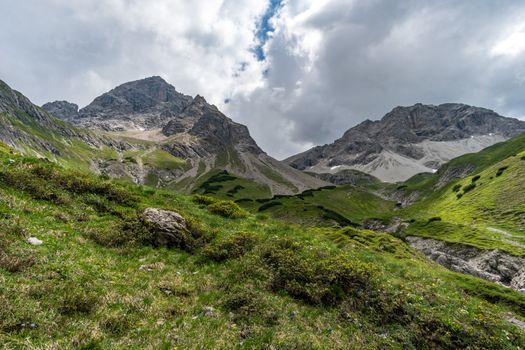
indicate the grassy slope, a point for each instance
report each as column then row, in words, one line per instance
column 317, row 207
column 93, row 285
column 496, row 202
column 223, row 185
column 75, row 153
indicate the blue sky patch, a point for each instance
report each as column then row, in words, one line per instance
column 265, row 28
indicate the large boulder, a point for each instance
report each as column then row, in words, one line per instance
column 169, row 229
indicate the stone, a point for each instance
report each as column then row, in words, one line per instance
column 169, row 228
column 34, row 241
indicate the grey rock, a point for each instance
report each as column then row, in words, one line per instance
column 168, row 227
column 346, row 177
column 62, row 109
column 34, row 241
column 492, row 265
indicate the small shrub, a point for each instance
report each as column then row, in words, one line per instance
column 247, row 304
column 206, row 200
column 269, row 205
column 476, row 178
column 236, row 189
column 469, row 187
column 77, row 300
column 232, row 247
column 316, row 279
column 117, row 325
column 401, row 187
column 244, row 200
column 434, row 219
column 501, row 170
column 522, row 158
column 15, row 263
column 456, row 188
column 459, row 195
column 227, row 209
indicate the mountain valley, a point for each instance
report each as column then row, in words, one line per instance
column 150, row 220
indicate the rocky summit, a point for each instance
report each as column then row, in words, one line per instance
column 410, row 140
column 152, row 116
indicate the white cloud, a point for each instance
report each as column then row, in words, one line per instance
column 513, row 45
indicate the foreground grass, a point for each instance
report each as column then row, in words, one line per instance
column 97, row 283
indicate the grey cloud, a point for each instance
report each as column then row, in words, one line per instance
column 376, row 55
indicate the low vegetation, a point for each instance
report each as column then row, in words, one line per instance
column 99, row 281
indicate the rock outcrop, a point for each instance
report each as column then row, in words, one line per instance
column 492, row 265
column 62, row 109
column 169, row 229
column 410, row 140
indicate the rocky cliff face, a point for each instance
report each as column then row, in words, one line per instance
column 62, row 109
column 410, row 140
column 151, row 110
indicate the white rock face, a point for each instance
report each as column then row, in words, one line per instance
column 393, row 167
column 34, row 241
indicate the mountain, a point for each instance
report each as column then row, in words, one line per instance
column 410, row 140
column 33, row 130
column 151, row 114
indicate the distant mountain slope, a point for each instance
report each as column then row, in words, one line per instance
column 485, row 188
column 410, row 140
column 151, row 111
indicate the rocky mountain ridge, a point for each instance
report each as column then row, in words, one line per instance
column 410, row 140
column 151, row 110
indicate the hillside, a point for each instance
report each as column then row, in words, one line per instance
column 106, row 277
column 410, row 140
column 489, row 199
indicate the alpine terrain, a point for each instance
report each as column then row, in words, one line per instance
column 410, row 140
column 147, row 132
column 150, row 220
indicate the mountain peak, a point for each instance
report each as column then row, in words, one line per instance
column 62, row 109
column 411, row 139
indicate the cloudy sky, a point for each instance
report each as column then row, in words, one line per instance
column 297, row 72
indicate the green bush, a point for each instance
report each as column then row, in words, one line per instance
column 434, row 219
column 45, row 181
column 269, row 205
column 206, row 200
column 232, row 247
column 456, row 188
column 501, row 170
column 476, row 178
column 247, row 304
column 469, row 187
column 318, row 278
column 227, row 209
